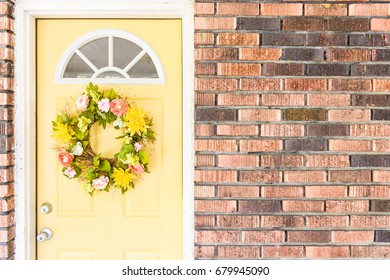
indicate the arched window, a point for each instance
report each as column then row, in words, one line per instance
column 110, row 56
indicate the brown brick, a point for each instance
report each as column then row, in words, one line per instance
column 369, row 191
column 354, row 115
column 370, row 70
column 382, row 236
column 273, row 69
column 327, row 70
column 282, row 221
column 215, row 206
column 303, row 24
column 214, row 23
column 349, row 85
column 348, row 24
column 340, row 206
column 259, row 115
column 296, row 145
column 370, row 161
column 381, row 115
column 381, row 145
column 323, row 100
column 288, row 130
column 350, row 145
column 305, row 114
column 380, row 205
column 277, row 252
column 260, row 84
column 327, row 39
column 204, row 252
column 370, row 130
column 263, row 236
column 326, row 9
column 381, row 55
column 281, row 160
column 204, row 191
column 238, row 99
column 277, row 192
column 238, row 39
column 242, row 9
column 350, row 176
column 216, row 54
column 305, row 84
column 381, row 176
column 259, row 54
column 281, row 39
column 380, row 24
column 271, row 9
column 204, row 221
column 307, row 54
column 205, row 68
column 212, row 236
column 237, row 130
column 238, row 161
column 261, row 176
column 370, row 251
column 216, row 145
column 352, row 236
column 304, row 176
column 216, row 84
column 204, row 99
column 258, row 23
column 303, row 206
column 256, row 206
column 320, row 252
column 261, row 145
column 327, row 221
column 308, row 236
column 238, row 252
column 327, row 161
column 204, row 8
column 368, row 10
column 327, row 130
column 325, row 191
column 215, row 114
column 350, row 55
column 204, row 130
column 7, row 8
column 368, row 40
column 370, row 221
column 238, row 221
column 215, row 176
column 239, row 69
column 238, row 191
column 204, row 160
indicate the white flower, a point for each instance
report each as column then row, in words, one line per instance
column 138, row 147
column 78, row 149
column 70, row 172
column 118, row 123
column 104, row 105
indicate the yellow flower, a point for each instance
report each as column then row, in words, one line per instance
column 135, row 120
column 62, row 133
column 122, row 178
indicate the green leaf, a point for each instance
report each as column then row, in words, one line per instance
column 85, row 144
column 143, row 156
column 91, row 174
column 105, row 166
column 110, row 94
column 123, row 190
column 96, row 160
column 146, row 168
column 126, row 149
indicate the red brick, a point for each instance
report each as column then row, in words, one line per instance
column 7, row 234
column 6, row 83
column 204, row 160
column 325, row 191
column 287, row 130
column 271, row 9
column 204, row 99
column 370, row 130
column 214, row 23
column 282, row 221
column 324, row 100
column 261, row 176
column 259, row 115
column 355, row 115
column 303, row 206
column 216, row 54
column 340, row 206
column 238, row 191
column 6, row 54
column 349, row 85
column 260, row 54
column 202, row 68
column 381, row 145
column 381, row 85
column 6, row 175
column 239, row 69
column 238, row 252
column 7, row 220
column 238, row 161
column 204, row 252
column 7, row 159
column 283, row 99
column 216, row 84
column 6, row 190
column 369, row 10
column 216, row 145
column 238, row 130
column 277, row 192
column 261, row 145
column 328, row 252
column 6, row 23
column 263, row 236
column 370, row 221
column 7, row 8
column 204, row 130
column 212, row 236
column 215, row 176
column 308, row 236
column 305, row 84
column 303, row 24
column 238, row 221
column 326, row 9
column 242, row 9
column 350, row 176
column 327, row 161
column 204, row 191
column 370, row 252
column 204, row 221
column 7, row 39
column 350, row 145
column 276, row 252
column 369, row 191
column 238, row 99
column 238, row 39
column 304, row 176
column 327, row 221
column 204, row 8
column 352, row 236
column 203, row 39
column 281, row 160
column 7, row 205
column 260, row 84
column 380, row 24
column 215, row 206
column 381, row 176
column 350, row 55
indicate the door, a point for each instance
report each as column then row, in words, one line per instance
column 145, row 222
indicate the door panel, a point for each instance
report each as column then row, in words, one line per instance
column 146, row 222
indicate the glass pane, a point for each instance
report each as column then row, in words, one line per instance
column 110, row 75
column 124, row 52
column 97, row 52
column 144, row 68
column 77, row 68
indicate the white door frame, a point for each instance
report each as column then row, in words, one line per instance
column 26, row 13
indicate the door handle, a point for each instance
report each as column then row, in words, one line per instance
column 45, row 234
column 46, row 208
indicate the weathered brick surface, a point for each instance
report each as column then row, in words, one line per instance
column 291, row 128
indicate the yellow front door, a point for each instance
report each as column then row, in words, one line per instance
column 146, row 222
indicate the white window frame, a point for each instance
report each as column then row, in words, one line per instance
column 26, row 13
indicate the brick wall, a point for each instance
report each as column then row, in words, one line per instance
column 292, row 129
column 7, row 204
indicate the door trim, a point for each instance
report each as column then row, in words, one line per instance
column 26, row 13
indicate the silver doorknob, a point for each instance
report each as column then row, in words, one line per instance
column 44, row 235
column 46, row 208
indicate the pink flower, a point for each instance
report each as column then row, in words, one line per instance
column 118, row 107
column 100, row 183
column 70, row 172
column 104, row 105
column 65, row 158
column 138, row 168
column 137, row 147
column 82, row 102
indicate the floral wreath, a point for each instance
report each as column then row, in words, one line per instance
column 71, row 130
